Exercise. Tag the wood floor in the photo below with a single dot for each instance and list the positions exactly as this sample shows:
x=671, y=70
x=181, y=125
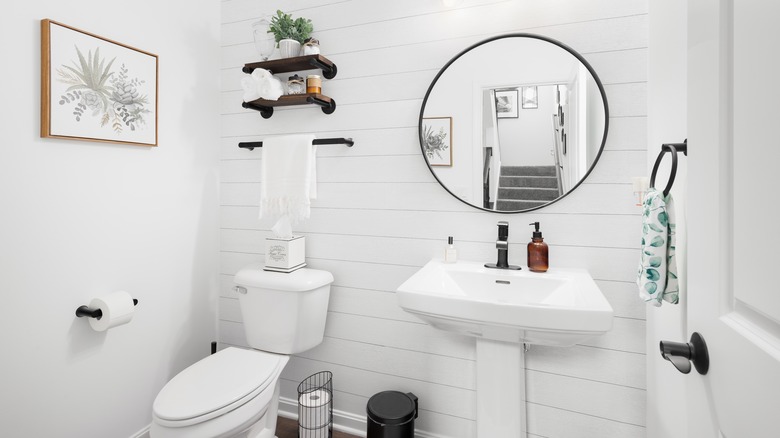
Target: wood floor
x=287, y=428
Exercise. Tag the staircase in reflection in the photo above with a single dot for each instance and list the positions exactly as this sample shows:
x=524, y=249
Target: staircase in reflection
x=524, y=187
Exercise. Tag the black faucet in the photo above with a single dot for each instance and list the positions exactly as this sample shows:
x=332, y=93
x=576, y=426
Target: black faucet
x=502, y=245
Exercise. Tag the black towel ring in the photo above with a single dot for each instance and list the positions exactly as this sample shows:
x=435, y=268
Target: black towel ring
x=673, y=148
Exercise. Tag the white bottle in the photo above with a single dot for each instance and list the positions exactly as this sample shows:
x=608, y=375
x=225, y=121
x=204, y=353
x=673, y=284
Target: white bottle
x=450, y=253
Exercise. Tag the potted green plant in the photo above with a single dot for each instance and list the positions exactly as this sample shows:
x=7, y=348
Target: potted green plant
x=289, y=33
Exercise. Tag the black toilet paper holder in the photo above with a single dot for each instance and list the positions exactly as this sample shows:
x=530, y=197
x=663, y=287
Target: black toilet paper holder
x=83, y=311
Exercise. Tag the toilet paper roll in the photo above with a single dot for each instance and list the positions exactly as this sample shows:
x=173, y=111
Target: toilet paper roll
x=117, y=308
x=313, y=411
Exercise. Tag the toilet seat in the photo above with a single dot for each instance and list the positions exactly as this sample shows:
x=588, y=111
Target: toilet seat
x=217, y=385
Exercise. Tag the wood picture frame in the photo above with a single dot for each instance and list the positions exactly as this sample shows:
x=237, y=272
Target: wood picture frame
x=437, y=140
x=96, y=89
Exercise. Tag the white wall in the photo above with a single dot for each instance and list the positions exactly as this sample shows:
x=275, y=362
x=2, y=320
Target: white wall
x=381, y=215
x=667, y=123
x=81, y=219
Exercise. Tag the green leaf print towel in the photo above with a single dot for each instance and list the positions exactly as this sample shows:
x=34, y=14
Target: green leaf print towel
x=657, y=277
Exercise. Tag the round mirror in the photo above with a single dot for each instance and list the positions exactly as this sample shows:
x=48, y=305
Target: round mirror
x=513, y=123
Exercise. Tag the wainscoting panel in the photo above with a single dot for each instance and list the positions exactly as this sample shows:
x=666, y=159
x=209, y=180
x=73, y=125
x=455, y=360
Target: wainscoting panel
x=381, y=215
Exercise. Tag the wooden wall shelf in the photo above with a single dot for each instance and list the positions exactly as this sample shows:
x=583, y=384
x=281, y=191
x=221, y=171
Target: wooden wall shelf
x=296, y=63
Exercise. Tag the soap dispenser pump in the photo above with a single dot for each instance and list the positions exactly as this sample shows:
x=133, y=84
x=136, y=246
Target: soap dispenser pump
x=537, y=251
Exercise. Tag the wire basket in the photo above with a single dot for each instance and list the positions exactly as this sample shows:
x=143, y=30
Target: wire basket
x=315, y=406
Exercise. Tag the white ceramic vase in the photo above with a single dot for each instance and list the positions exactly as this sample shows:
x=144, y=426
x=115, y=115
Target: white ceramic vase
x=289, y=48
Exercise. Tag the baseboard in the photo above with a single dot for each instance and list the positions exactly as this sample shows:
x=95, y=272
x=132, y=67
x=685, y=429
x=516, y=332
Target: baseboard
x=143, y=433
x=342, y=421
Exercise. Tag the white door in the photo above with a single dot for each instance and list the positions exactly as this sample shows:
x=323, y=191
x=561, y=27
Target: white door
x=733, y=220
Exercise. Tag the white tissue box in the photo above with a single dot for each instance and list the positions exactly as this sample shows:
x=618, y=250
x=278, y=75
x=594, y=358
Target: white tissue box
x=285, y=255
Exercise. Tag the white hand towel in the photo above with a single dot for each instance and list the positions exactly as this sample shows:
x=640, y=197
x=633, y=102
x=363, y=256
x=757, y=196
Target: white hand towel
x=657, y=276
x=289, y=177
x=261, y=84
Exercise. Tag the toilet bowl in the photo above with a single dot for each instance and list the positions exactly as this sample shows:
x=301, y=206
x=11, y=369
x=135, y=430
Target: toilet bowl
x=222, y=395
x=235, y=392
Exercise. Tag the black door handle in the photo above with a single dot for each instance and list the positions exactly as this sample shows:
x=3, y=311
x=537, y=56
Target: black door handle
x=682, y=354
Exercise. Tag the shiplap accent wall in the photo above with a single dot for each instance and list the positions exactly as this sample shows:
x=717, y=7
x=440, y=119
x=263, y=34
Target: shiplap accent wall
x=381, y=215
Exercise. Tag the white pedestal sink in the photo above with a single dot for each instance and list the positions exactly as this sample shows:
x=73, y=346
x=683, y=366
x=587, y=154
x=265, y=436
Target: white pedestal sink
x=504, y=309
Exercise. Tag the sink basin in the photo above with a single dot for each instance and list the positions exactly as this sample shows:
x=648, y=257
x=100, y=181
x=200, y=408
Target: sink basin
x=559, y=307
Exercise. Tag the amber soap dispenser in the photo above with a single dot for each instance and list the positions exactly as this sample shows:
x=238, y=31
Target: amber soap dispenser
x=537, y=251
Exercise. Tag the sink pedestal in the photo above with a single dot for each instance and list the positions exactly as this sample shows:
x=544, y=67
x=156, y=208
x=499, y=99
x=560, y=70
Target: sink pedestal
x=500, y=389
x=503, y=309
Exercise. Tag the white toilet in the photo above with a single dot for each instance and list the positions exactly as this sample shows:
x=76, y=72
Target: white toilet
x=235, y=392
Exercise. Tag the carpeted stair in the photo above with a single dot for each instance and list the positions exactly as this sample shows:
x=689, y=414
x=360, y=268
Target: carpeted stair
x=524, y=187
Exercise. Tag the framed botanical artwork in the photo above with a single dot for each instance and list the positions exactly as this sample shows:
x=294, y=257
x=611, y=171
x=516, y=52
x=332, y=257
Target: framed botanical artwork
x=437, y=140
x=96, y=89
x=530, y=97
x=506, y=104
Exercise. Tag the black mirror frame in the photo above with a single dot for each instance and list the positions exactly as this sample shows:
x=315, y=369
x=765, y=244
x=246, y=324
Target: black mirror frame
x=517, y=35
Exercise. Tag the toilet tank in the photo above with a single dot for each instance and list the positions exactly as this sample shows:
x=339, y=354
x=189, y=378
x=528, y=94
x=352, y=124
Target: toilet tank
x=283, y=313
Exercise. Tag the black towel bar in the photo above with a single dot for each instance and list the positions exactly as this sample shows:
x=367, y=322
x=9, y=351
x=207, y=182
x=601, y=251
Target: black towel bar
x=318, y=141
x=673, y=149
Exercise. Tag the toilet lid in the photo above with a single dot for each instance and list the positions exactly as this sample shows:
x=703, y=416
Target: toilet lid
x=222, y=380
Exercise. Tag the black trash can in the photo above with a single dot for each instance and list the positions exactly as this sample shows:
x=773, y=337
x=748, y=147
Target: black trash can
x=391, y=414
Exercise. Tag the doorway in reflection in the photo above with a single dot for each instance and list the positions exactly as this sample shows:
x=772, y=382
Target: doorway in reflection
x=523, y=159
x=533, y=142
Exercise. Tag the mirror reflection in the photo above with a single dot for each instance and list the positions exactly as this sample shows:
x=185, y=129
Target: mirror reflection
x=513, y=123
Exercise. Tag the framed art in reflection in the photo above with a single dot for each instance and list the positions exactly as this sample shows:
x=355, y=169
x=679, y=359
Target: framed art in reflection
x=437, y=140
x=506, y=104
x=530, y=98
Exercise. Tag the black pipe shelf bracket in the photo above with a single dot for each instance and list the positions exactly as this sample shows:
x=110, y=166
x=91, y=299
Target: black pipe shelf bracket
x=86, y=311
x=265, y=111
x=266, y=107
x=328, y=105
x=251, y=145
x=673, y=149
